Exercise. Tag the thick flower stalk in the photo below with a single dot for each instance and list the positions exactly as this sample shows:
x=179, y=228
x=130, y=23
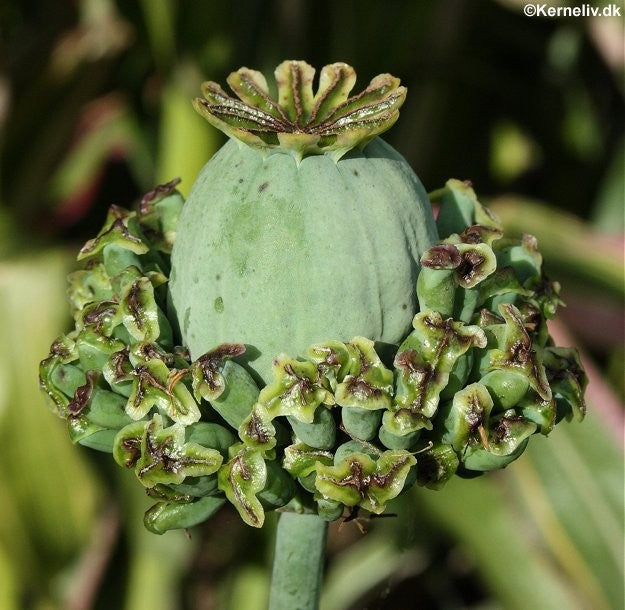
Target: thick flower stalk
x=348, y=421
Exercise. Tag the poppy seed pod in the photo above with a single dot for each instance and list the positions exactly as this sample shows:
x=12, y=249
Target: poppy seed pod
x=311, y=229
x=300, y=333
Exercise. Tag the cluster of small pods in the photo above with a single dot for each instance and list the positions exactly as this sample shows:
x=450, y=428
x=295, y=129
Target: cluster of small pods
x=346, y=425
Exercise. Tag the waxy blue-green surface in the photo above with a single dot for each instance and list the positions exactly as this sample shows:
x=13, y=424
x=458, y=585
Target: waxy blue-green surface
x=279, y=256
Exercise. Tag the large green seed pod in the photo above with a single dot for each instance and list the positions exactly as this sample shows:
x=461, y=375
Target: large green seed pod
x=279, y=251
x=310, y=259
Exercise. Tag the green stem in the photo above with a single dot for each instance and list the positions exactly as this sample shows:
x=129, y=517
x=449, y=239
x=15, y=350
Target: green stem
x=298, y=562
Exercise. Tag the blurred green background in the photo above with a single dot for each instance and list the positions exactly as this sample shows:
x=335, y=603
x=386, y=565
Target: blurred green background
x=95, y=109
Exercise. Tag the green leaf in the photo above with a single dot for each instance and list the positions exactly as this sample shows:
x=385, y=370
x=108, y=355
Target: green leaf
x=241, y=479
x=127, y=445
x=160, y=25
x=46, y=482
x=466, y=417
x=95, y=349
x=149, y=579
x=506, y=439
x=154, y=385
x=297, y=389
x=515, y=352
x=567, y=379
x=257, y=431
x=87, y=285
x=120, y=228
x=333, y=360
x=573, y=253
x=301, y=459
x=360, y=480
x=460, y=209
x=184, y=144
x=571, y=493
x=139, y=310
x=493, y=531
x=167, y=458
x=207, y=371
x=368, y=384
x=8, y=583
x=159, y=212
x=471, y=263
x=424, y=362
x=524, y=258
x=166, y=516
x=436, y=464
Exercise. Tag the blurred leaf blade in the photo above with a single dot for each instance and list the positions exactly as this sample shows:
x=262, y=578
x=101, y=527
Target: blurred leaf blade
x=574, y=501
x=186, y=142
x=608, y=212
x=160, y=19
x=249, y=589
x=365, y=565
x=571, y=251
x=38, y=462
x=114, y=131
x=8, y=585
x=477, y=513
x=156, y=563
x=68, y=71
